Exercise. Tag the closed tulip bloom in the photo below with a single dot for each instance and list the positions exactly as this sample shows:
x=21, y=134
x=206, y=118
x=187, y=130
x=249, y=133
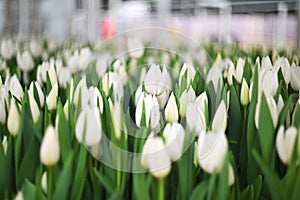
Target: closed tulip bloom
x=115, y=110
x=135, y=47
x=25, y=61
x=35, y=112
x=212, y=149
x=155, y=157
x=15, y=87
x=88, y=126
x=220, y=118
x=7, y=49
x=51, y=99
x=244, y=98
x=295, y=81
x=187, y=96
x=81, y=89
x=64, y=77
x=239, y=70
x=43, y=69
x=266, y=63
x=215, y=76
x=230, y=73
x=285, y=143
x=13, y=119
x=268, y=82
x=202, y=101
x=171, y=110
x=195, y=118
x=4, y=144
x=95, y=98
x=231, y=178
x=190, y=70
x=44, y=182
x=283, y=64
x=39, y=92
x=3, y=112
x=272, y=108
x=50, y=150
x=35, y=48
x=174, y=138
x=113, y=80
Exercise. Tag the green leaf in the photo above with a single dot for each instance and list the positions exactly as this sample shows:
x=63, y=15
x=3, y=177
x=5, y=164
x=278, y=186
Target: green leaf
x=2, y=170
x=272, y=180
x=296, y=116
x=106, y=182
x=223, y=180
x=257, y=185
x=199, y=192
x=141, y=186
x=28, y=190
x=284, y=112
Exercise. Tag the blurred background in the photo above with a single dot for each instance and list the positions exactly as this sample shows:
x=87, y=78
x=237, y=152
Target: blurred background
x=273, y=23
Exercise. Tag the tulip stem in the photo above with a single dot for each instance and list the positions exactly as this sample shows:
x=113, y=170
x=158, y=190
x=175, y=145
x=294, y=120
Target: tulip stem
x=49, y=182
x=161, y=189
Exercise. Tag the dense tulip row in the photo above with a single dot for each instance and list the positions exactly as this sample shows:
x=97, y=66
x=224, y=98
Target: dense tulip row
x=80, y=123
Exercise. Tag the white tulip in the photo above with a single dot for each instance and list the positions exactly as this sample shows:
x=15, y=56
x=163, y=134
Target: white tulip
x=113, y=79
x=280, y=103
x=155, y=157
x=66, y=109
x=15, y=87
x=202, y=101
x=230, y=73
x=35, y=48
x=39, y=92
x=212, y=149
x=268, y=82
x=285, y=143
x=7, y=49
x=266, y=63
x=215, y=76
x=3, y=112
x=51, y=99
x=43, y=69
x=187, y=96
x=295, y=81
x=81, y=89
x=50, y=150
x=239, y=70
x=284, y=64
x=220, y=118
x=13, y=119
x=158, y=83
x=35, y=112
x=272, y=108
x=244, y=98
x=64, y=77
x=44, y=182
x=135, y=47
x=171, y=110
x=79, y=60
x=231, y=178
x=195, y=118
x=174, y=138
x=25, y=61
x=190, y=70
x=94, y=97
x=4, y=144
x=88, y=126
x=115, y=110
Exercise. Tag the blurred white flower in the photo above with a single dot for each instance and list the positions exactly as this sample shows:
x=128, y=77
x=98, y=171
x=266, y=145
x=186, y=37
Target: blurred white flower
x=174, y=138
x=155, y=157
x=35, y=48
x=266, y=63
x=285, y=143
x=239, y=70
x=187, y=96
x=220, y=118
x=212, y=149
x=244, y=98
x=295, y=80
x=39, y=92
x=195, y=118
x=101, y=64
x=158, y=83
x=7, y=49
x=35, y=112
x=284, y=64
x=202, y=101
x=268, y=82
x=64, y=77
x=190, y=70
x=50, y=150
x=272, y=108
x=171, y=110
x=3, y=112
x=80, y=60
x=215, y=76
x=115, y=110
x=41, y=74
x=25, y=61
x=88, y=126
x=94, y=98
x=114, y=81
x=135, y=47
x=13, y=119
x=51, y=99
x=80, y=91
x=15, y=87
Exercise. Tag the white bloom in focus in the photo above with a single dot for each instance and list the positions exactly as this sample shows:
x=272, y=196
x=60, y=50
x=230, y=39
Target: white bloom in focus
x=7, y=49
x=15, y=87
x=155, y=157
x=158, y=83
x=220, y=118
x=244, y=98
x=195, y=118
x=171, y=110
x=215, y=76
x=50, y=150
x=25, y=61
x=51, y=99
x=212, y=149
x=230, y=73
x=285, y=143
x=88, y=126
x=35, y=112
x=174, y=138
x=268, y=82
x=135, y=47
x=295, y=80
x=39, y=92
x=13, y=119
x=43, y=69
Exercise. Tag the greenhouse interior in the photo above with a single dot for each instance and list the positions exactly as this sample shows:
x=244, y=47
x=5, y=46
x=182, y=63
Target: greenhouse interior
x=149, y=99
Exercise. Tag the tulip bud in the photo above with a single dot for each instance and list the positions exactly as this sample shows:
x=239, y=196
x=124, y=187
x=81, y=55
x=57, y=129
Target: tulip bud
x=82, y=89
x=88, y=126
x=190, y=70
x=35, y=112
x=35, y=48
x=4, y=144
x=230, y=175
x=244, y=98
x=171, y=111
x=195, y=118
x=155, y=157
x=51, y=99
x=285, y=143
x=135, y=47
x=115, y=110
x=25, y=61
x=220, y=118
x=15, y=87
x=187, y=96
x=215, y=76
x=272, y=108
x=230, y=73
x=174, y=138
x=266, y=63
x=7, y=49
x=66, y=109
x=3, y=112
x=44, y=182
x=94, y=97
x=212, y=149
x=239, y=70
x=284, y=64
x=295, y=81
x=64, y=77
x=13, y=120
x=39, y=92
x=50, y=150
x=202, y=101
